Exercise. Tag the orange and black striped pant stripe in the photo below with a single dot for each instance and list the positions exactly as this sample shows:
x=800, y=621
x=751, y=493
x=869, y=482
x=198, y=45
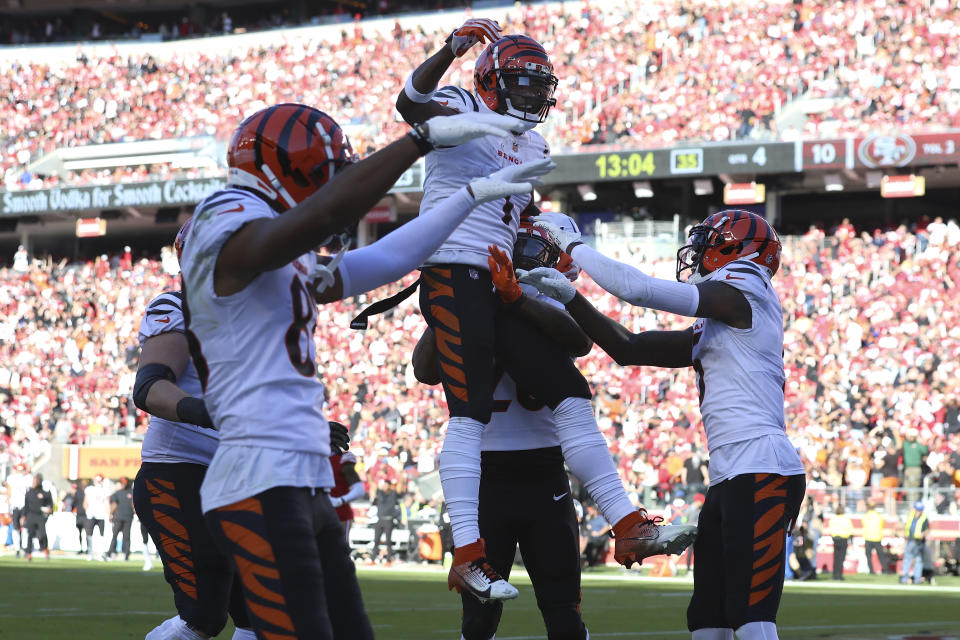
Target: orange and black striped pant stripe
x=478, y=339
x=289, y=551
x=459, y=303
x=167, y=500
x=739, y=552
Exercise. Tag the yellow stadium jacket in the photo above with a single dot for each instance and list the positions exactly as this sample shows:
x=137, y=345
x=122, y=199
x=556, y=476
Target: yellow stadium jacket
x=873, y=526
x=840, y=526
x=917, y=526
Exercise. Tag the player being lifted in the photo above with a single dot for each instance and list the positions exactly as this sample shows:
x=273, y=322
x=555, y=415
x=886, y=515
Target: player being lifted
x=176, y=450
x=513, y=76
x=757, y=479
x=525, y=496
x=251, y=282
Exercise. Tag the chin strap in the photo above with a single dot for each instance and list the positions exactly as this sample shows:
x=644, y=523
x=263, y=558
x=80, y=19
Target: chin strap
x=323, y=274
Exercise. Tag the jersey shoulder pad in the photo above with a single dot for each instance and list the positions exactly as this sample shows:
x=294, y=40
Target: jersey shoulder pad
x=164, y=314
x=217, y=217
x=745, y=276
x=456, y=98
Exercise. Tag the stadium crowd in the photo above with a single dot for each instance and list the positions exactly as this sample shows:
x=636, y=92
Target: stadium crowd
x=872, y=339
x=630, y=74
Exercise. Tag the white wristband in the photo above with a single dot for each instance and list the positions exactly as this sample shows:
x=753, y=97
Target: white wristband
x=414, y=95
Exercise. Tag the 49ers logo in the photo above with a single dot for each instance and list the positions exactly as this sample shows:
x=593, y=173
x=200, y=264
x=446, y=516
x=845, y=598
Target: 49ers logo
x=895, y=150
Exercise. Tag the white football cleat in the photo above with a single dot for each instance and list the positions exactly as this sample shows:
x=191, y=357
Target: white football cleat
x=649, y=538
x=481, y=581
x=165, y=630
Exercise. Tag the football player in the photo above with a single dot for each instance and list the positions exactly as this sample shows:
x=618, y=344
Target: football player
x=347, y=485
x=524, y=492
x=735, y=346
x=176, y=450
x=513, y=76
x=251, y=282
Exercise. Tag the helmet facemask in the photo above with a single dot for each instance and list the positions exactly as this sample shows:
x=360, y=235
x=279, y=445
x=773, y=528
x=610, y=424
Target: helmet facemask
x=531, y=251
x=527, y=94
x=690, y=255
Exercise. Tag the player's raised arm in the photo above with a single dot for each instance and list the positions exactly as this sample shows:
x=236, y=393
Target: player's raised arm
x=407, y=247
x=699, y=296
x=416, y=102
x=318, y=186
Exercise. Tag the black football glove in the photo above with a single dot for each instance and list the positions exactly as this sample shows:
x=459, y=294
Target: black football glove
x=339, y=438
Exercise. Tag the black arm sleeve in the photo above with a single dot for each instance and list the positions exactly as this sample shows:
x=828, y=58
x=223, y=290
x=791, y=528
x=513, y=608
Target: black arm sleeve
x=193, y=411
x=147, y=376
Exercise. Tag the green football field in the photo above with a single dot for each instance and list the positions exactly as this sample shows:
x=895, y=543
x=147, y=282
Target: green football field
x=67, y=599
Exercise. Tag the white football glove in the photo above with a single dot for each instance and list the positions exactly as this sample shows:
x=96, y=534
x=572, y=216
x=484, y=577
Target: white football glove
x=449, y=131
x=510, y=181
x=549, y=282
x=471, y=32
x=336, y=502
x=563, y=237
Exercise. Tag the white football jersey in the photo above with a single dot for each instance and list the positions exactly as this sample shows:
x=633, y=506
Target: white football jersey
x=450, y=169
x=255, y=355
x=98, y=502
x=166, y=440
x=519, y=421
x=740, y=377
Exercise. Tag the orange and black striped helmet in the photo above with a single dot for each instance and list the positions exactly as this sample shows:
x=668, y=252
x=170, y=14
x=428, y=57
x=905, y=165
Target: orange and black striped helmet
x=724, y=237
x=286, y=152
x=514, y=76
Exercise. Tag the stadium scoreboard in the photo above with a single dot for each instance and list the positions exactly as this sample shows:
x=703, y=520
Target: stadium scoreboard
x=705, y=160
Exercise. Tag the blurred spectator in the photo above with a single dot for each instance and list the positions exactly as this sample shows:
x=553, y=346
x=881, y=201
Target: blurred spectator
x=96, y=503
x=595, y=531
x=76, y=505
x=695, y=475
x=121, y=516
x=841, y=530
x=387, y=502
x=916, y=536
x=38, y=505
x=872, y=531
x=914, y=456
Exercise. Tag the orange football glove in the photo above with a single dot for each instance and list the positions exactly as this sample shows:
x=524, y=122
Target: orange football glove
x=471, y=32
x=504, y=279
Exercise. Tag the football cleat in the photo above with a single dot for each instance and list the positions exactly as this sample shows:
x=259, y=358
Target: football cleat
x=648, y=537
x=481, y=581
